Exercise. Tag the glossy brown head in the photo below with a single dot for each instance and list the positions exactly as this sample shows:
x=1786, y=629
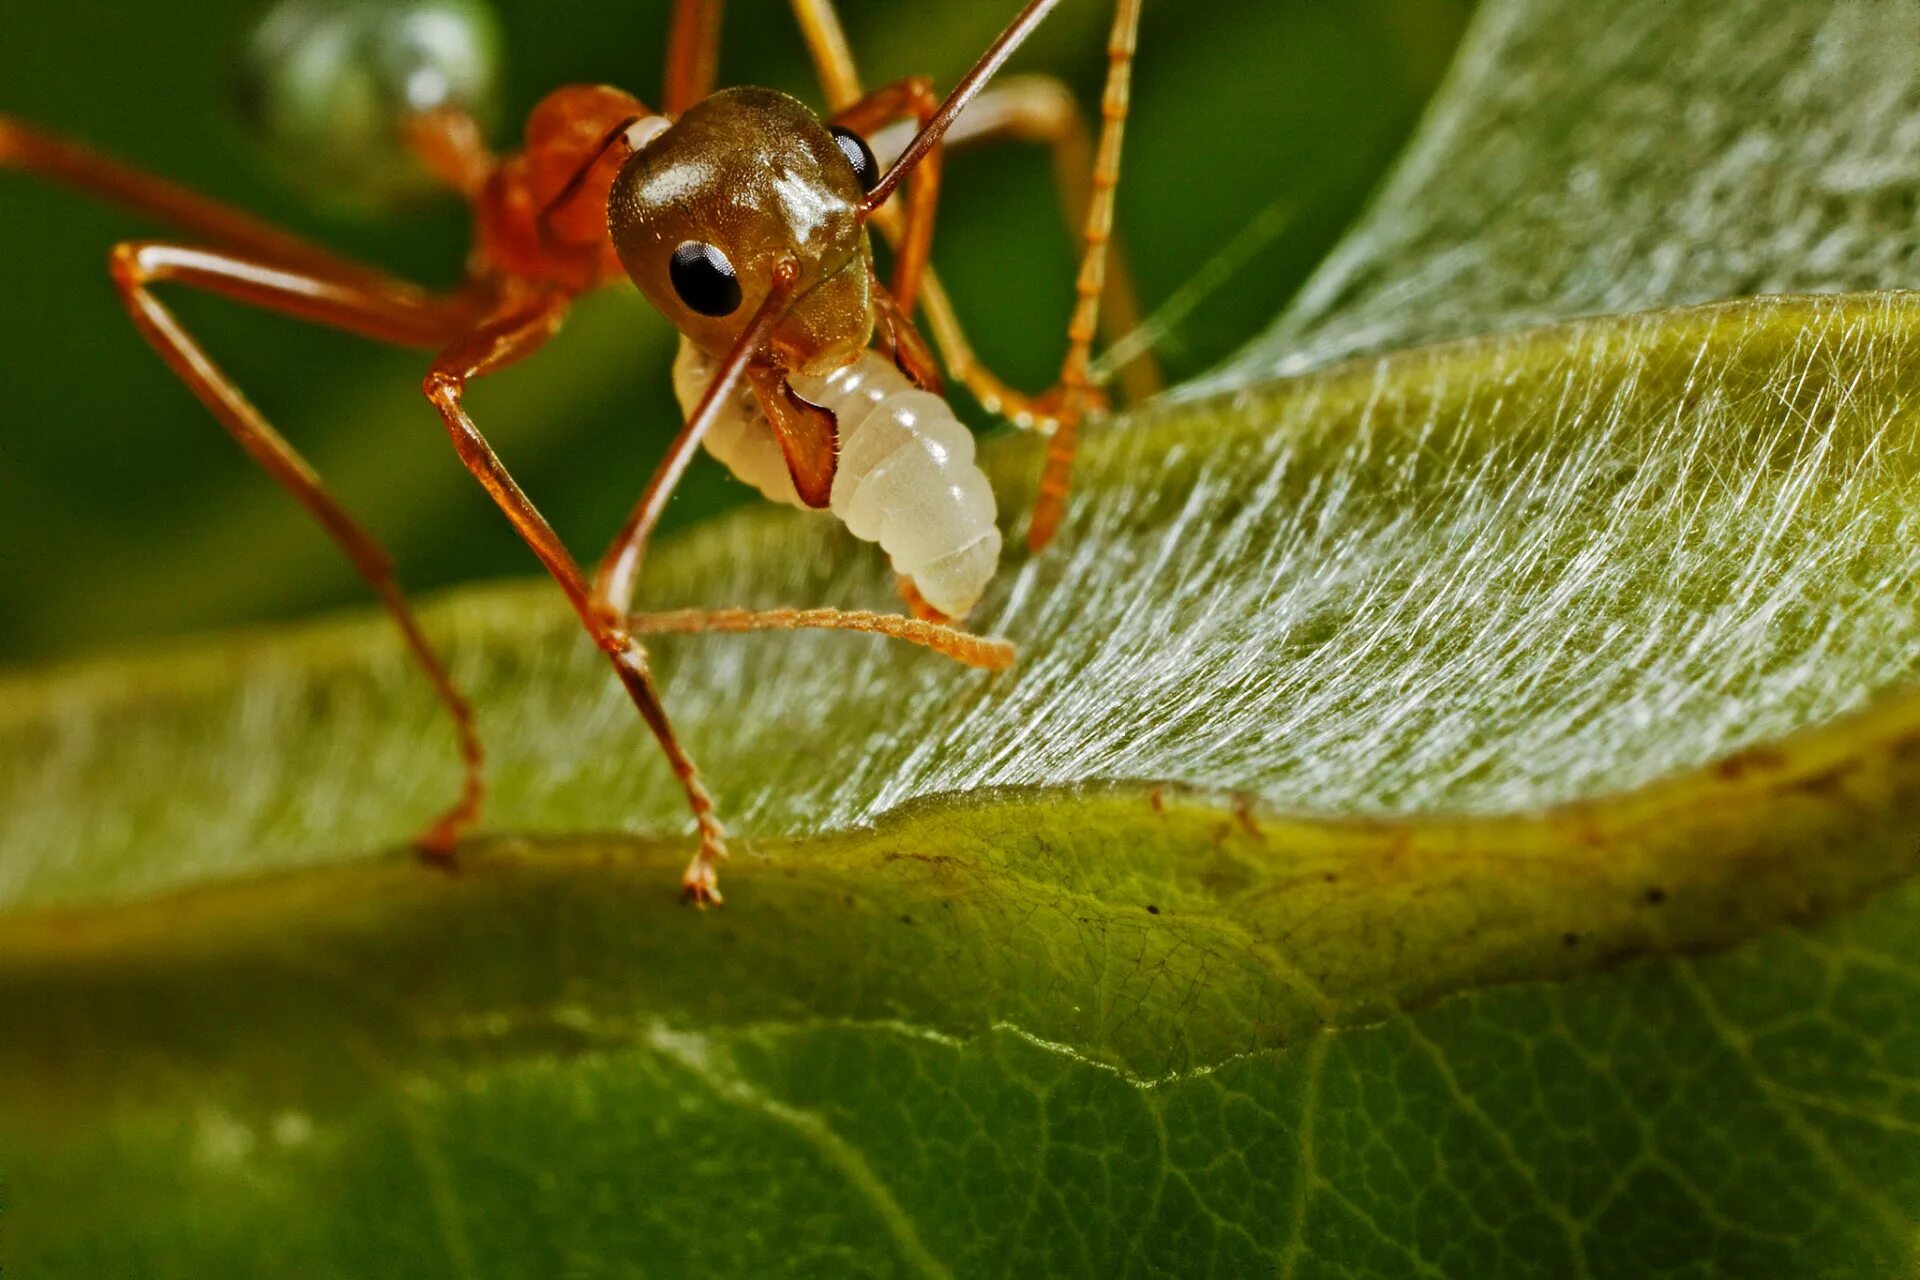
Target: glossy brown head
x=706, y=213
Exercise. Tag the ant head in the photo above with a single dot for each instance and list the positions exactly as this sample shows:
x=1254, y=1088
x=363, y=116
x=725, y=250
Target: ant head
x=707, y=212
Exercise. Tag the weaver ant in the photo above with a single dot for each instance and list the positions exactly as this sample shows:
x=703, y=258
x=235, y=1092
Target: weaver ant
x=743, y=217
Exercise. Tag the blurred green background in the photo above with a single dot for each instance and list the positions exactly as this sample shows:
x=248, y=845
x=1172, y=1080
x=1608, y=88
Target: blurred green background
x=131, y=515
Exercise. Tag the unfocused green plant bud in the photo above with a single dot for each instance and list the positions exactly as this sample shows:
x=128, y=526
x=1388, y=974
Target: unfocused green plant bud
x=327, y=85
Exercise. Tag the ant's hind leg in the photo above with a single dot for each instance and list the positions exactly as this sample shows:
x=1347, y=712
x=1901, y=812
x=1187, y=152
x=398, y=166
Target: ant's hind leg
x=446, y=141
x=1075, y=380
x=394, y=314
x=493, y=345
x=46, y=155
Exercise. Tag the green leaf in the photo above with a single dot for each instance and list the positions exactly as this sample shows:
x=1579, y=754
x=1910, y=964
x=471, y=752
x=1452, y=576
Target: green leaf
x=1585, y=160
x=1456, y=815
x=1060, y=1026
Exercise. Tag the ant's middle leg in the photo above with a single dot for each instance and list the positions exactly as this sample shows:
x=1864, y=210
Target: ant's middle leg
x=1049, y=504
x=395, y=314
x=1067, y=402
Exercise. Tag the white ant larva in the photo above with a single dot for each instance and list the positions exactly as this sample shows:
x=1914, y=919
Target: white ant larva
x=906, y=477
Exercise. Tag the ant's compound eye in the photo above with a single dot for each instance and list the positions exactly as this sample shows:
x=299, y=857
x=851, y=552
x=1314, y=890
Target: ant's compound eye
x=858, y=154
x=330, y=86
x=704, y=279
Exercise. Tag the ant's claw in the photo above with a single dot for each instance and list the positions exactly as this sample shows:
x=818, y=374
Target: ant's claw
x=702, y=894
x=439, y=845
x=701, y=883
x=437, y=848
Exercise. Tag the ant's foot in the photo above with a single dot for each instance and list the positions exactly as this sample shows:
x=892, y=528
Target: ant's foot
x=701, y=885
x=439, y=845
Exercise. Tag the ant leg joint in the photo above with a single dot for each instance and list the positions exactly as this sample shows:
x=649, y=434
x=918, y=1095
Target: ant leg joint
x=613, y=622
x=442, y=388
x=125, y=266
x=700, y=883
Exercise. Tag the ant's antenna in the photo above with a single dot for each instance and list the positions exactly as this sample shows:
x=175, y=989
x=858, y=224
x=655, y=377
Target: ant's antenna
x=970, y=84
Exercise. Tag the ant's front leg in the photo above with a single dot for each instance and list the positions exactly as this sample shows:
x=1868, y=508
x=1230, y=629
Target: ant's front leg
x=984, y=653
x=503, y=339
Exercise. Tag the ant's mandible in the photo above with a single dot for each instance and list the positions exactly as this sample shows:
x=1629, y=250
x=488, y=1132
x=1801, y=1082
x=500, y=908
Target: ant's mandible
x=742, y=216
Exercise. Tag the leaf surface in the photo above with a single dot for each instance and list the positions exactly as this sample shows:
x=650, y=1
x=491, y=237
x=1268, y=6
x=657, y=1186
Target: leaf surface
x=1129, y=1011
x=1455, y=816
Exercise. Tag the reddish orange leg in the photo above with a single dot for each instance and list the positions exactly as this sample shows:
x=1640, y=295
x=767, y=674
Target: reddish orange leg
x=910, y=99
x=1051, y=502
x=1036, y=109
x=504, y=339
x=693, y=54
x=1041, y=110
x=619, y=570
x=983, y=652
x=49, y=156
x=1032, y=108
x=390, y=313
